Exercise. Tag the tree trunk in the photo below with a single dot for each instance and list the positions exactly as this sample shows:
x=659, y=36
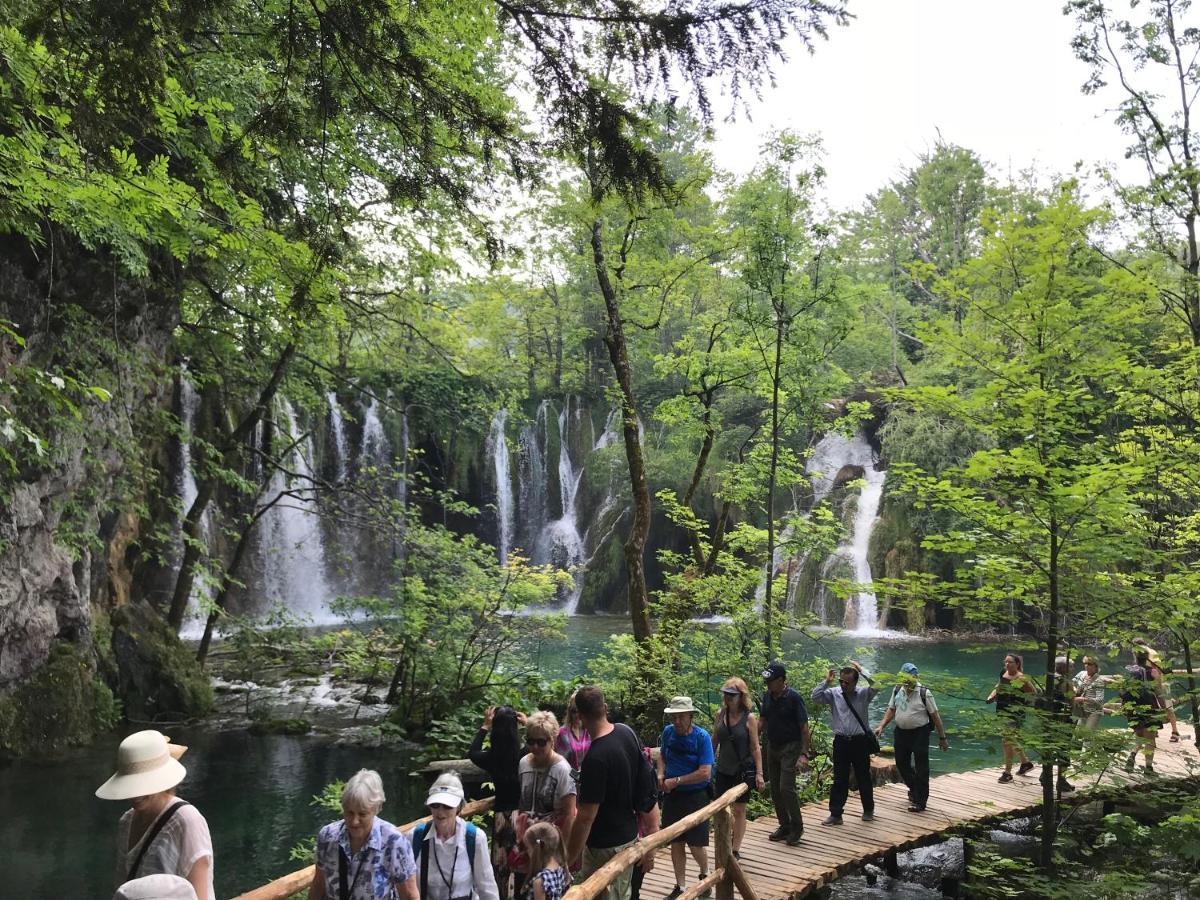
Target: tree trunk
x=635, y=544
x=768, y=603
x=697, y=474
x=206, y=488
x=1049, y=808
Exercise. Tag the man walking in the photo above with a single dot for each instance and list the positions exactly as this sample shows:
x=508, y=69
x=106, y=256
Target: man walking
x=606, y=822
x=786, y=721
x=849, y=706
x=916, y=714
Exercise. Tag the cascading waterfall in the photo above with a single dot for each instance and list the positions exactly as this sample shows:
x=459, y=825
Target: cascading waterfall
x=189, y=406
x=560, y=543
x=337, y=428
x=865, y=514
x=497, y=451
x=294, y=572
x=374, y=440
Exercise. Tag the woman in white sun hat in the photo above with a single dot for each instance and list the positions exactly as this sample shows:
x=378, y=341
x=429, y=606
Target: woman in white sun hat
x=156, y=887
x=451, y=853
x=160, y=834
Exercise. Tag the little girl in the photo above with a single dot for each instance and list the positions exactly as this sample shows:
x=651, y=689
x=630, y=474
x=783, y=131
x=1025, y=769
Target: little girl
x=545, y=850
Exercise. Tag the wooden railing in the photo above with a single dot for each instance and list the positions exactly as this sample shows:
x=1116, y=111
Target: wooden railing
x=726, y=872
x=282, y=888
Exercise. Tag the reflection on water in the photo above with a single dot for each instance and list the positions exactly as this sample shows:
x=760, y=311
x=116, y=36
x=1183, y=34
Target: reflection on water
x=256, y=790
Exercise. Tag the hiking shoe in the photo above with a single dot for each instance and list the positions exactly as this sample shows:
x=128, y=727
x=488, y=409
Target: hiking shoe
x=795, y=838
x=916, y=807
x=675, y=892
x=1131, y=762
x=1025, y=768
x=779, y=834
x=1006, y=777
x=1149, y=769
x=1175, y=737
x=737, y=855
x=868, y=816
x=832, y=820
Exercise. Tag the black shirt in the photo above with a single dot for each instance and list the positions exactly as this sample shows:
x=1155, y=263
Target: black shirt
x=784, y=717
x=606, y=778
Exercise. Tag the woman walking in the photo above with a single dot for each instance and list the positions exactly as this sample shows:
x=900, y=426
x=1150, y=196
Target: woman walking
x=739, y=756
x=451, y=854
x=363, y=857
x=1088, y=704
x=572, y=741
x=501, y=761
x=160, y=834
x=1012, y=696
x=547, y=791
x=1141, y=707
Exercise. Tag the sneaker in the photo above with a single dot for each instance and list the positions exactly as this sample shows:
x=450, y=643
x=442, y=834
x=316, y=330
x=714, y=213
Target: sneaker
x=737, y=855
x=1005, y=778
x=832, y=820
x=868, y=816
x=1149, y=769
x=1025, y=768
x=1175, y=737
x=916, y=807
x=675, y=892
x=707, y=892
x=795, y=838
x=1131, y=762
x=779, y=834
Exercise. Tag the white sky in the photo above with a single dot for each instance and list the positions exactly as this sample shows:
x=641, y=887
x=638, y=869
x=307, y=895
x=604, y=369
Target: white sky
x=994, y=76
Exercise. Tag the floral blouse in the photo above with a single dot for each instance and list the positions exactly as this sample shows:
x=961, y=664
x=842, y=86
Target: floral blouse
x=385, y=858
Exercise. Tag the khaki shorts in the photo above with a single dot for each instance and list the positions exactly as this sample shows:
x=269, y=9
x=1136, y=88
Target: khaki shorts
x=595, y=857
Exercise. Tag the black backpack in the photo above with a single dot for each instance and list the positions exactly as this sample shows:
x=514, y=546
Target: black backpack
x=645, y=780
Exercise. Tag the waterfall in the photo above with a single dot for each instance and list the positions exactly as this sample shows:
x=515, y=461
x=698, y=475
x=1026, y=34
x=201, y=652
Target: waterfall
x=189, y=406
x=497, y=451
x=402, y=480
x=374, y=440
x=294, y=564
x=337, y=428
x=865, y=514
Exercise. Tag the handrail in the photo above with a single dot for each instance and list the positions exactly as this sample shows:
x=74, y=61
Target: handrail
x=730, y=872
x=282, y=888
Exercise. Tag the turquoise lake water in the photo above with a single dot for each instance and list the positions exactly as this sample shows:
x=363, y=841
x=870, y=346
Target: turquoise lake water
x=255, y=791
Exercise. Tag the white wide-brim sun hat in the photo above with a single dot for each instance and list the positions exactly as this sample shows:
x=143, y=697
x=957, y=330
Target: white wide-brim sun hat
x=680, y=705
x=156, y=887
x=147, y=763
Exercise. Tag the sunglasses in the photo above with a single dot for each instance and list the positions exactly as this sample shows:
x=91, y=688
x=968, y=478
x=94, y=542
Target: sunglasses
x=439, y=806
x=538, y=742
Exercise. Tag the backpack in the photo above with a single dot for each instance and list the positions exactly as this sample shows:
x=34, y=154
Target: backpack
x=644, y=780
x=418, y=843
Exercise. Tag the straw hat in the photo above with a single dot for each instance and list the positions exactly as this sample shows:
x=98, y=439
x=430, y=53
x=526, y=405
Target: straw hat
x=679, y=705
x=156, y=887
x=147, y=763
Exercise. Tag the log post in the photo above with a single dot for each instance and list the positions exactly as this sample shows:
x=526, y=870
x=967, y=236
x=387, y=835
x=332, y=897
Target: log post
x=891, y=865
x=723, y=852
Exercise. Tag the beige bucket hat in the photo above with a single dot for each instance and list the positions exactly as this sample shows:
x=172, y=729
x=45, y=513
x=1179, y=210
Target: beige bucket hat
x=679, y=705
x=147, y=763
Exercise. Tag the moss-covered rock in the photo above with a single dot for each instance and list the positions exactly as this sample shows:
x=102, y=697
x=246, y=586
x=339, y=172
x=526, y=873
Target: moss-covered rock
x=158, y=676
x=281, y=726
x=63, y=704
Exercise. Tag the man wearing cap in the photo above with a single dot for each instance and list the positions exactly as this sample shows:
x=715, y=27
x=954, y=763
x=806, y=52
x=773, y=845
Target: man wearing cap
x=913, y=708
x=684, y=770
x=849, y=706
x=786, y=720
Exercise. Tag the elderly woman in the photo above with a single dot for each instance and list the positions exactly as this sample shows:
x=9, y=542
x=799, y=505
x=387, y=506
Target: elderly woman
x=451, y=853
x=363, y=857
x=547, y=789
x=160, y=834
x=685, y=766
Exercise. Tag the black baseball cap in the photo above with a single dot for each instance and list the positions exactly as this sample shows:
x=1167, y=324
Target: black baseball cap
x=773, y=671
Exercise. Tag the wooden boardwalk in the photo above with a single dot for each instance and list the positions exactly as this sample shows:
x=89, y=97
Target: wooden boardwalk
x=777, y=871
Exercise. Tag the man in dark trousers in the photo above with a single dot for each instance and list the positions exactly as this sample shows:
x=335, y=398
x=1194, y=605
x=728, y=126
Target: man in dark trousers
x=916, y=714
x=848, y=704
x=786, y=720
x=607, y=822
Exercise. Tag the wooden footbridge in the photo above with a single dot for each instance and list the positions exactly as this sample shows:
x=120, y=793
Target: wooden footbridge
x=774, y=871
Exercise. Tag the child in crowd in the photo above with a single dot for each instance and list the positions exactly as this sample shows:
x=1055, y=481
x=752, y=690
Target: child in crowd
x=547, y=865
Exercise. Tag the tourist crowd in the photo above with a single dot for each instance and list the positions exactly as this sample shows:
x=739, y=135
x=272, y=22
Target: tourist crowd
x=569, y=799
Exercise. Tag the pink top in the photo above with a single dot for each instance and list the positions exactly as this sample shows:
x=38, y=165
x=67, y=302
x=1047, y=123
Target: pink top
x=572, y=748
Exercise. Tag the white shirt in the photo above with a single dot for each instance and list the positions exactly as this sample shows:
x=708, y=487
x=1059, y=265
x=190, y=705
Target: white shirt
x=910, y=711
x=182, y=842
x=451, y=855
